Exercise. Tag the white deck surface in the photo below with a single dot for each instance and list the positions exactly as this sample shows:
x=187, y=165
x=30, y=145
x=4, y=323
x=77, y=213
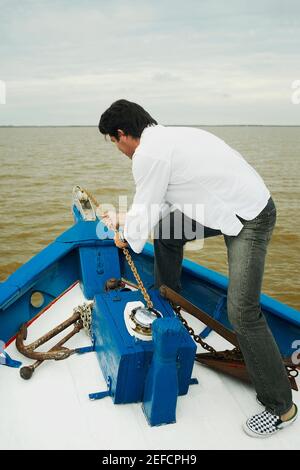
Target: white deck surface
x=52, y=409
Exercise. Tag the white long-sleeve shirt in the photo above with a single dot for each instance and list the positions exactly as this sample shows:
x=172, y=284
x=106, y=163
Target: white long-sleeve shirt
x=195, y=171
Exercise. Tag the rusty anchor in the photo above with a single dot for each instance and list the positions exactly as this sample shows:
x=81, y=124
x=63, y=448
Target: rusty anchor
x=80, y=319
x=230, y=362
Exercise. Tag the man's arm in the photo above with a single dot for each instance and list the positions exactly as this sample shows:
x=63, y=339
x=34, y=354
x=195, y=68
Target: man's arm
x=151, y=178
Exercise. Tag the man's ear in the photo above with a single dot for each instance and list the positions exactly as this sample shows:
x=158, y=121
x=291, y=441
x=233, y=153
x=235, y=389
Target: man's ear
x=121, y=133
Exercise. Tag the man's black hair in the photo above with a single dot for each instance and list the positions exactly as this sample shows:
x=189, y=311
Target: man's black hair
x=130, y=117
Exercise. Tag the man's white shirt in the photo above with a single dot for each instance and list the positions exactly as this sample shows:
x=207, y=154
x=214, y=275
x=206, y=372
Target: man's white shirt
x=196, y=172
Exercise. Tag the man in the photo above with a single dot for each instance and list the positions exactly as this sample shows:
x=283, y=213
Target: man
x=192, y=172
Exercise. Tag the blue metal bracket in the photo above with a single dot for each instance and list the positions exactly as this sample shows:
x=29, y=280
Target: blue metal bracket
x=8, y=361
x=216, y=315
x=194, y=381
x=100, y=395
x=84, y=350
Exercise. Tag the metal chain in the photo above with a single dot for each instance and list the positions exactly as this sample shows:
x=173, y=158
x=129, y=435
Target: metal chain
x=85, y=311
x=128, y=258
x=234, y=353
x=196, y=337
x=137, y=277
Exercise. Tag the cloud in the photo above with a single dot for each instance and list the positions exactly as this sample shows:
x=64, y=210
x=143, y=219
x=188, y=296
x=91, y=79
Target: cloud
x=222, y=57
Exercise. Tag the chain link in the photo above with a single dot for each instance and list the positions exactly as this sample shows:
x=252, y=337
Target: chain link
x=197, y=338
x=137, y=277
x=233, y=354
x=85, y=311
x=128, y=258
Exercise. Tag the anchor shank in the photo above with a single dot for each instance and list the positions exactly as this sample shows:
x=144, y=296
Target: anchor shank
x=58, y=329
x=66, y=338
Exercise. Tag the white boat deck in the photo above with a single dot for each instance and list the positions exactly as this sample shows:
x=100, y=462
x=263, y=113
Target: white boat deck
x=52, y=410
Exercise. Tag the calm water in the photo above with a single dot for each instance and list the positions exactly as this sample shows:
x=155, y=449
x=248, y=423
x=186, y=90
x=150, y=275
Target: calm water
x=40, y=166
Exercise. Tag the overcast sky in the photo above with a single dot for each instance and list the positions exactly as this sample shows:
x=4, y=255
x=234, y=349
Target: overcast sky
x=185, y=61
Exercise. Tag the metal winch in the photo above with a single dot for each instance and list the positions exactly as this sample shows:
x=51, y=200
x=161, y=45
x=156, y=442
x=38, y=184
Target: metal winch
x=139, y=320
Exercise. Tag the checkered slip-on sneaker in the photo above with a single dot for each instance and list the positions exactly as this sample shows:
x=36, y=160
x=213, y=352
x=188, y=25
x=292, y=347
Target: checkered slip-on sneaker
x=266, y=424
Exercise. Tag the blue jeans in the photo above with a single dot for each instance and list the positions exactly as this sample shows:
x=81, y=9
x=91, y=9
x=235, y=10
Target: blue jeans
x=246, y=260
